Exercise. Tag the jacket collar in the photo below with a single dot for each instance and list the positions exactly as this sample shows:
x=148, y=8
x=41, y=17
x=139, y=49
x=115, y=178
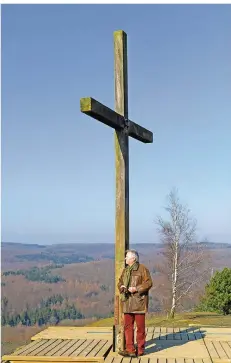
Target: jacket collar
x=135, y=268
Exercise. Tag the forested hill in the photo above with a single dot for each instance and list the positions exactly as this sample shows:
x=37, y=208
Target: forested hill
x=65, y=253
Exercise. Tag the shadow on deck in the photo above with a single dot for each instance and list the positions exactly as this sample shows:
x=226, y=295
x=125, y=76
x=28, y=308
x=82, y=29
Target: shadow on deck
x=163, y=345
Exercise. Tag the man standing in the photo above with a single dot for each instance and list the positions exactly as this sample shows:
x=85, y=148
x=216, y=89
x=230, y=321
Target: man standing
x=134, y=284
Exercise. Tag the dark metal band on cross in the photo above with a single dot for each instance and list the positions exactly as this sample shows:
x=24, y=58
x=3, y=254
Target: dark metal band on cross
x=124, y=128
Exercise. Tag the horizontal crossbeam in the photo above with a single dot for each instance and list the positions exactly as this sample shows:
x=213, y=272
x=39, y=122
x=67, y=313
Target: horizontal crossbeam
x=104, y=114
x=140, y=133
x=98, y=111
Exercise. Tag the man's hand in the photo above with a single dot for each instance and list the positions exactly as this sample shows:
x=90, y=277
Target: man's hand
x=122, y=288
x=132, y=289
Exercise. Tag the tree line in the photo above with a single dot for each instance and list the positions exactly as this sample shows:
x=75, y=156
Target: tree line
x=68, y=259
x=45, y=313
x=38, y=274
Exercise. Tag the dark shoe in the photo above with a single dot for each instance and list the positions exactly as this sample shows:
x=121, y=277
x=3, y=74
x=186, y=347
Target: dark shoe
x=132, y=355
x=140, y=354
x=125, y=353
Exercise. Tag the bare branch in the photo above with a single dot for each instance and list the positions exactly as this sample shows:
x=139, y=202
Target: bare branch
x=183, y=257
x=190, y=286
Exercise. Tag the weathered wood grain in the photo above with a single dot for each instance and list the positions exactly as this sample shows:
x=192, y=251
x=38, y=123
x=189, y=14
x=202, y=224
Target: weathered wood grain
x=101, y=113
x=122, y=169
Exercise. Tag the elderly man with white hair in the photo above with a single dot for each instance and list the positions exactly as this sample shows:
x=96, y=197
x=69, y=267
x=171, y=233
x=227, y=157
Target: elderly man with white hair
x=134, y=285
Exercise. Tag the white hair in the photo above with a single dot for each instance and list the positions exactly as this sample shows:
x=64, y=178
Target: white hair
x=134, y=254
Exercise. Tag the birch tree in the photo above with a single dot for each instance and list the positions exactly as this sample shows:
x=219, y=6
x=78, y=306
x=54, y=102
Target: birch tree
x=185, y=261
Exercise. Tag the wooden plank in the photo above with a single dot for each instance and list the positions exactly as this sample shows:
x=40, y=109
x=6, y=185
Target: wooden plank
x=162, y=360
x=27, y=359
x=211, y=349
x=191, y=336
x=188, y=360
x=180, y=360
x=183, y=334
x=148, y=337
x=69, y=344
x=150, y=329
x=157, y=329
x=122, y=169
x=116, y=360
x=38, y=348
x=144, y=360
x=73, y=336
x=46, y=344
x=171, y=360
x=111, y=358
x=81, y=348
x=33, y=351
x=206, y=360
x=29, y=347
x=90, y=347
x=220, y=351
x=170, y=330
x=203, y=335
x=50, y=347
x=72, y=348
x=170, y=336
x=198, y=335
x=226, y=348
x=104, y=349
x=73, y=333
x=156, y=333
x=77, y=328
x=162, y=337
x=127, y=360
x=176, y=334
x=100, y=345
x=151, y=360
x=170, y=333
x=104, y=114
x=57, y=348
x=156, y=336
x=75, y=359
x=150, y=333
x=163, y=333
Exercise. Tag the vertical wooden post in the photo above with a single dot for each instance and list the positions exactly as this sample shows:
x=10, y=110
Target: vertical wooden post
x=122, y=175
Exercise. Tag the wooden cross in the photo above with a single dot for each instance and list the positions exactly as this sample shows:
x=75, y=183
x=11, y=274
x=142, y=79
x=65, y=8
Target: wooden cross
x=124, y=128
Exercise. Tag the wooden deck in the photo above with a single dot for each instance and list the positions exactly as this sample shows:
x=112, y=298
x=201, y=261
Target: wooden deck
x=62, y=350
x=91, y=344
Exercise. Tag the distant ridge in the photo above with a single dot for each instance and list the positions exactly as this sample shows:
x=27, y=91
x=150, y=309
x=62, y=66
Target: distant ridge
x=27, y=245
x=141, y=245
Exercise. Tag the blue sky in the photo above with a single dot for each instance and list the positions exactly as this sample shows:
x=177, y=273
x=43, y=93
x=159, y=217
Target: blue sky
x=58, y=164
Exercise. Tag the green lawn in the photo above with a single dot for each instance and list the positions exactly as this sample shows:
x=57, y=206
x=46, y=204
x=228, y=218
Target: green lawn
x=180, y=320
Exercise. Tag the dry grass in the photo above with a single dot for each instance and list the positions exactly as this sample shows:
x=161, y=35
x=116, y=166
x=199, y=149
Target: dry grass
x=180, y=320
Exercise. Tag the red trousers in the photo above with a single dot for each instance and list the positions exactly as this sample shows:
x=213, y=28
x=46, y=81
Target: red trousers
x=129, y=320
